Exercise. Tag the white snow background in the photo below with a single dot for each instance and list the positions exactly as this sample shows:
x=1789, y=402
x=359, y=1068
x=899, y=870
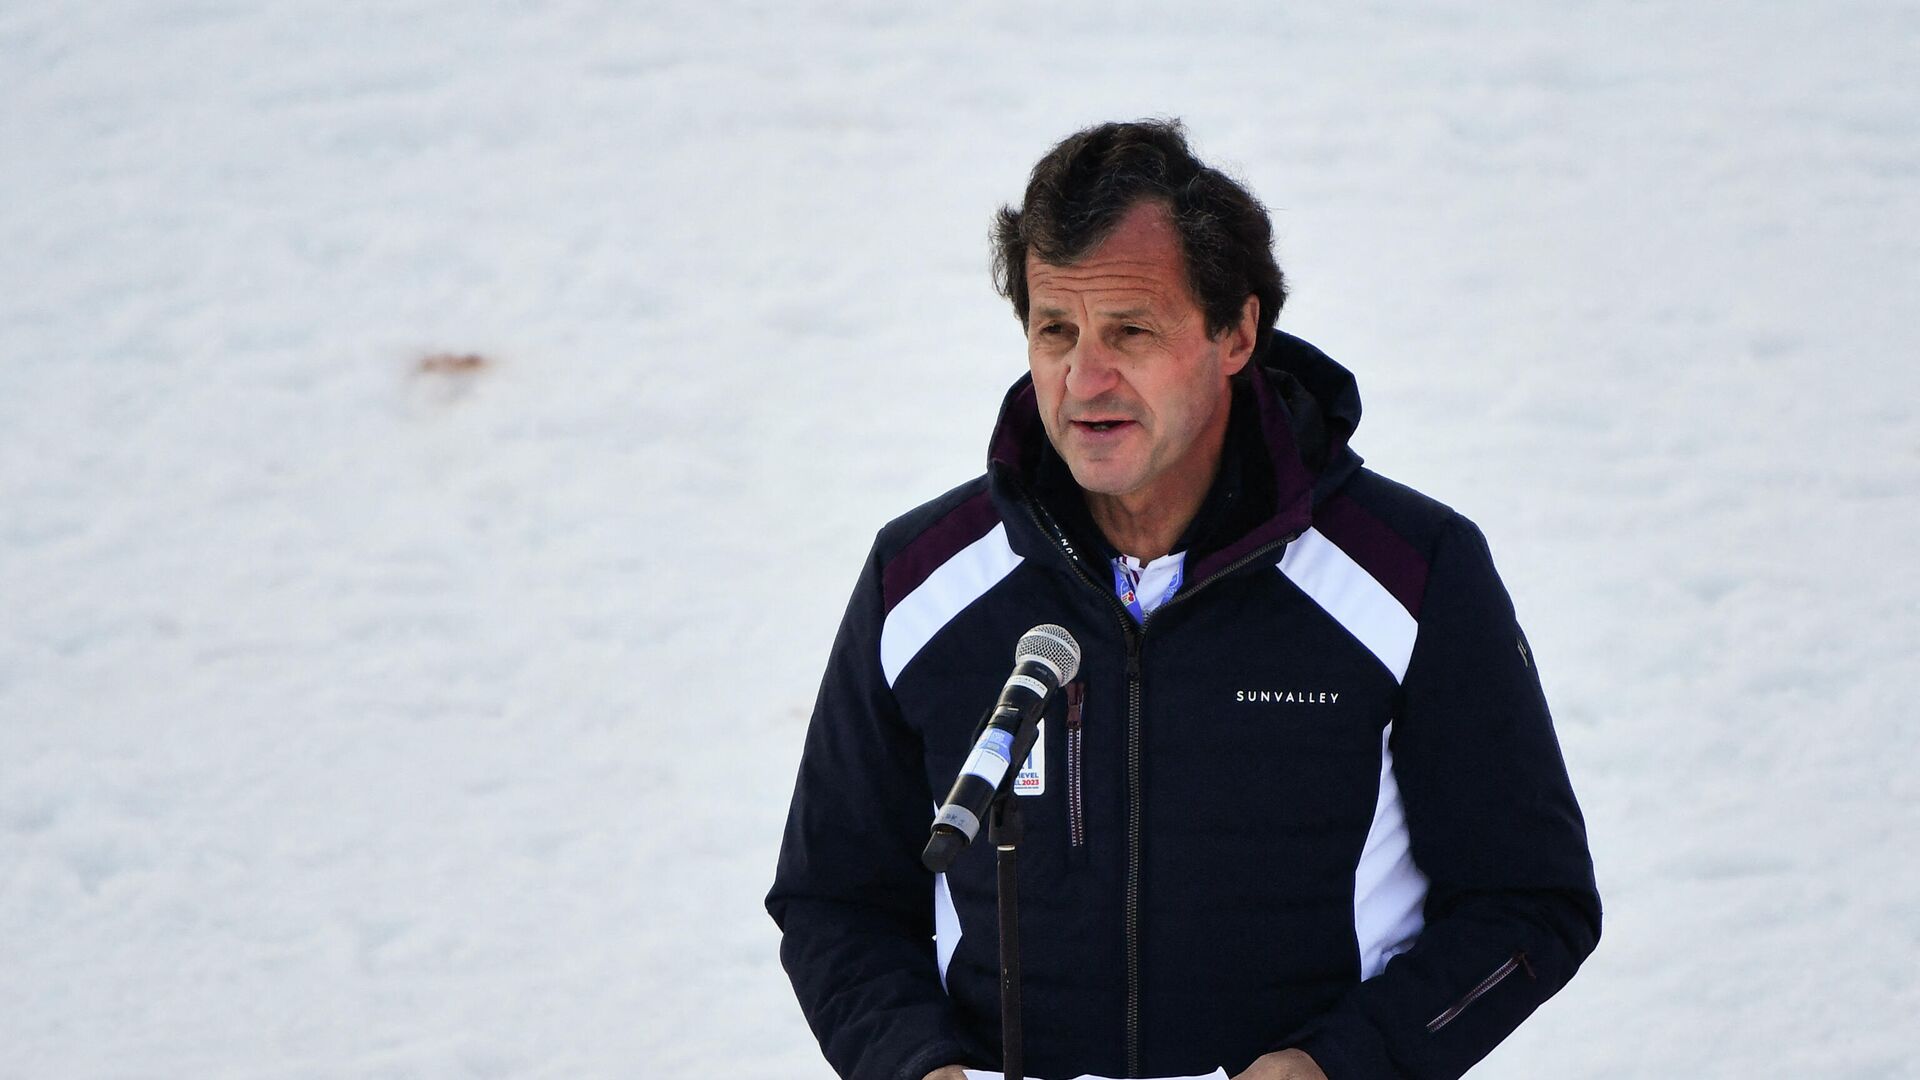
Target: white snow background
x=363, y=722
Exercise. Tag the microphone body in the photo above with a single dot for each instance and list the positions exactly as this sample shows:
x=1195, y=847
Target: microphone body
x=1046, y=659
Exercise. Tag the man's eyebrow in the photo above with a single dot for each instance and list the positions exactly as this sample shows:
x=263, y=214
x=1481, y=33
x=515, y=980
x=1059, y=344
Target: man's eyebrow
x=1137, y=311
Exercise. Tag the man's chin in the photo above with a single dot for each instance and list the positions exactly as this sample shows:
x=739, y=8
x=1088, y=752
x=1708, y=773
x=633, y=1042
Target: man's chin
x=1098, y=479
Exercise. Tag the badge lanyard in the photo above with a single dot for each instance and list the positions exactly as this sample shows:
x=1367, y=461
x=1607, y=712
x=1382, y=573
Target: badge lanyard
x=1126, y=582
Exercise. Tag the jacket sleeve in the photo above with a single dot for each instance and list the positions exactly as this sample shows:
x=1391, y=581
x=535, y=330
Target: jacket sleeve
x=853, y=903
x=1511, y=907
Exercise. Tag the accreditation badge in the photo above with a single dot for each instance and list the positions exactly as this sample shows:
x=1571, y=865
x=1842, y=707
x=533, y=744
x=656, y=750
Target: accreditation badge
x=1032, y=778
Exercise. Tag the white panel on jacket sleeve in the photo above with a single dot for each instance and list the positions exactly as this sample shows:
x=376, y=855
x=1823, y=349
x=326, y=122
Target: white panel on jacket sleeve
x=946, y=924
x=1358, y=602
x=947, y=591
x=1389, y=891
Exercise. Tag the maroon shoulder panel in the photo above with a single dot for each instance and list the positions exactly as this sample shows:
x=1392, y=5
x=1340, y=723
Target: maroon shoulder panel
x=944, y=539
x=1381, y=552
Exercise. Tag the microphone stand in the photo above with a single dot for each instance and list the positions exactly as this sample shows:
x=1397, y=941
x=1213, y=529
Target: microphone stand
x=1004, y=830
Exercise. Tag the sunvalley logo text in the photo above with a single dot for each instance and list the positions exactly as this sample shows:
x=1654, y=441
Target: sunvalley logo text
x=1289, y=697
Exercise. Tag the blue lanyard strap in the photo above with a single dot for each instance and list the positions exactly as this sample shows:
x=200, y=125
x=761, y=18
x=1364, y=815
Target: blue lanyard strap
x=1126, y=584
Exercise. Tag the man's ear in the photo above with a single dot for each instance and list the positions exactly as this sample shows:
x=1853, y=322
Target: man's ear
x=1241, y=337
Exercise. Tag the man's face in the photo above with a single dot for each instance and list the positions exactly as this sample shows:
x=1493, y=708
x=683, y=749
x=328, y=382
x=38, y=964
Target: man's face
x=1132, y=391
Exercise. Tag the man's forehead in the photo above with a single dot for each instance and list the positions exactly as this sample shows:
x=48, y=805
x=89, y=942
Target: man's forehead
x=1140, y=262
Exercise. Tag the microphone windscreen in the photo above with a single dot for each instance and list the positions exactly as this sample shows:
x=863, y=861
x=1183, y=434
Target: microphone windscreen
x=1053, y=646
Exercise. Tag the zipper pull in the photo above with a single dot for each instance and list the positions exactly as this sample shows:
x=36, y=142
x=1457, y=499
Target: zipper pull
x=1075, y=691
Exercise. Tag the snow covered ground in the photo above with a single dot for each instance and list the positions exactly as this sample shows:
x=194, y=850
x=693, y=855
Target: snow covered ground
x=360, y=720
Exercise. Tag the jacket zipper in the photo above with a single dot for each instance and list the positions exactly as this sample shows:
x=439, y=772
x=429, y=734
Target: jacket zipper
x=1132, y=632
x=1136, y=641
x=1134, y=644
x=1076, y=820
x=1516, y=961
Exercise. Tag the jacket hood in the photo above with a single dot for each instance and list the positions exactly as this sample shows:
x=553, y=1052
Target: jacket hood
x=1304, y=405
x=1334, y=393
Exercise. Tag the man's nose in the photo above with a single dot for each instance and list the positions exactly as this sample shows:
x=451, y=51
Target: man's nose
x=1090, y=368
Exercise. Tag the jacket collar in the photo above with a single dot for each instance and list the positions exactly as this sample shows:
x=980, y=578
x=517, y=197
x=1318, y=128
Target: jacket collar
x=1294, y=411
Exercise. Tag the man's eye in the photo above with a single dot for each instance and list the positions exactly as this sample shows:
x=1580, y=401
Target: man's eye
x=1052, y=328
x=1133, y=331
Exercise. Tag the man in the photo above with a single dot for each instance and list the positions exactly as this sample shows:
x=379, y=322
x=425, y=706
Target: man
x=1301, y=814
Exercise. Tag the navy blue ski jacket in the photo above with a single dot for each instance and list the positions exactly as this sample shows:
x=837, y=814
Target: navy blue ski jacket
x=1315, y=800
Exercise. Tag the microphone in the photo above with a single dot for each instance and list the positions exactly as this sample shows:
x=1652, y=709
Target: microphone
x=1046, y=659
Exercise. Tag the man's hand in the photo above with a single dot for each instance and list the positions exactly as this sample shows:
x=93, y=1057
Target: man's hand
x=1283, y=1065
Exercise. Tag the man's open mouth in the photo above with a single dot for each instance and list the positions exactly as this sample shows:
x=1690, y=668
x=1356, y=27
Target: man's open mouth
x=1101, y=425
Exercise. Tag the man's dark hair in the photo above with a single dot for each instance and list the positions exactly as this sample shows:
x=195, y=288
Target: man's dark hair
x=1082, y=188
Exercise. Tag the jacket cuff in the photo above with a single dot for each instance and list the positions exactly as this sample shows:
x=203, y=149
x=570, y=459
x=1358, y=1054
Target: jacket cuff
x=1347, y=1049
x=937, y=1056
